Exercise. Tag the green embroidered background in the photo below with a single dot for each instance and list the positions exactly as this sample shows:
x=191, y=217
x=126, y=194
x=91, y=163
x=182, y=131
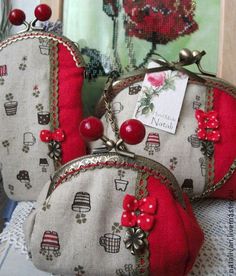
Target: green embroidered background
x=98, y=26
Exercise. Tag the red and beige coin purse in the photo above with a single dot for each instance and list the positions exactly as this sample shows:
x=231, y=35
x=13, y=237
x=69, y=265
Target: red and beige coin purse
x=41, y=77
x=202, y=152
x=113, y=213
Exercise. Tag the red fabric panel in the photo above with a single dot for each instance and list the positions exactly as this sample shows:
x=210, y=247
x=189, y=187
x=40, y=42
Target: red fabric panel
x=176, y=238
x=194, y=234
x=70, y=104
x=225, y=149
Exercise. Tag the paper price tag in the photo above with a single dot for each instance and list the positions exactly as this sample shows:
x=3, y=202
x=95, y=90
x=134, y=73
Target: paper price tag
x=161, y=98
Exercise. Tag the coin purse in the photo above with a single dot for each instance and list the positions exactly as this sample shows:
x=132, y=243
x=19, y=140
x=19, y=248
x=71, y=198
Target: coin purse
x=113, y=213
x=41, y=77
x=202, y=152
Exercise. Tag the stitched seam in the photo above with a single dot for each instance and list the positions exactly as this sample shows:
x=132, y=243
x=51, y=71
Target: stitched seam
x=141, y=192
x=63, y=40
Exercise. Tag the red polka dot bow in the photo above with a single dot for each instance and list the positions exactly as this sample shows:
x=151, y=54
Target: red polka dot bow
x=139, y=212
x=47, y=135
x=207, y=125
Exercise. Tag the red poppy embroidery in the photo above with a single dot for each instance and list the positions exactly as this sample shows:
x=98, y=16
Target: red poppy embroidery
x=208, y=124
x=47, y=135
x=139, y=212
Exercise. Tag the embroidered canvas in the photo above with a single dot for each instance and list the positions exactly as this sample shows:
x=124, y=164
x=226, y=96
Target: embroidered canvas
x=131, y=33
x=202, y=153
x=107, y=214
x=41, y=77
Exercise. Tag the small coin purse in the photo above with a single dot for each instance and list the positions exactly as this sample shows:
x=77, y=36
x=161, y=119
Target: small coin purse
x=113, y=213
x=41, y=77
x=202, y=152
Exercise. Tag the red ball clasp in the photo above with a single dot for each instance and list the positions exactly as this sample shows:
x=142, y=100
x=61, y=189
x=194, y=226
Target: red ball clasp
x=16, y=17
x=91, y=129
x=132, y=131
x=43, y=12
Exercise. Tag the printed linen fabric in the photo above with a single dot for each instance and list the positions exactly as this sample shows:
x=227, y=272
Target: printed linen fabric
x=125, y=206
x=82, y=204
x=213, y=259
x=168, y=149
x=24, y=112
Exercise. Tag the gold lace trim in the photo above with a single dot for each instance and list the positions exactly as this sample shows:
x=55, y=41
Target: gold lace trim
x=71, y=47
x=210, y=187
x=142, y=261
x=141, y=185
x=219, y=184
x=54, y=84
x=113, y=160
x=53, y=90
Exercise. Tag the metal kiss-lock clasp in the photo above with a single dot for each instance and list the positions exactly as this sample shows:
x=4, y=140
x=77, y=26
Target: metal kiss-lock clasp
x=132, y=132
x=42, y=13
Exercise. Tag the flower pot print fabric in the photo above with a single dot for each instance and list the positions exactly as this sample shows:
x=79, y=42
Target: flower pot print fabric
x=202, y=149
x=20, y=148
x=82, y=216
x=29, y=100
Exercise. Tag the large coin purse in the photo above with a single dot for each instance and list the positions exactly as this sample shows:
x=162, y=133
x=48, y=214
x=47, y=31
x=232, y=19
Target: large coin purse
x=41, y=77
x=113, y=213
x=202, y=152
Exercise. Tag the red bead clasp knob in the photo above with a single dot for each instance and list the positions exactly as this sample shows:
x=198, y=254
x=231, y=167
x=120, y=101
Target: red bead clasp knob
x=43, y=12
x=132, y=132
x=91, y=129
x=16, y=17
